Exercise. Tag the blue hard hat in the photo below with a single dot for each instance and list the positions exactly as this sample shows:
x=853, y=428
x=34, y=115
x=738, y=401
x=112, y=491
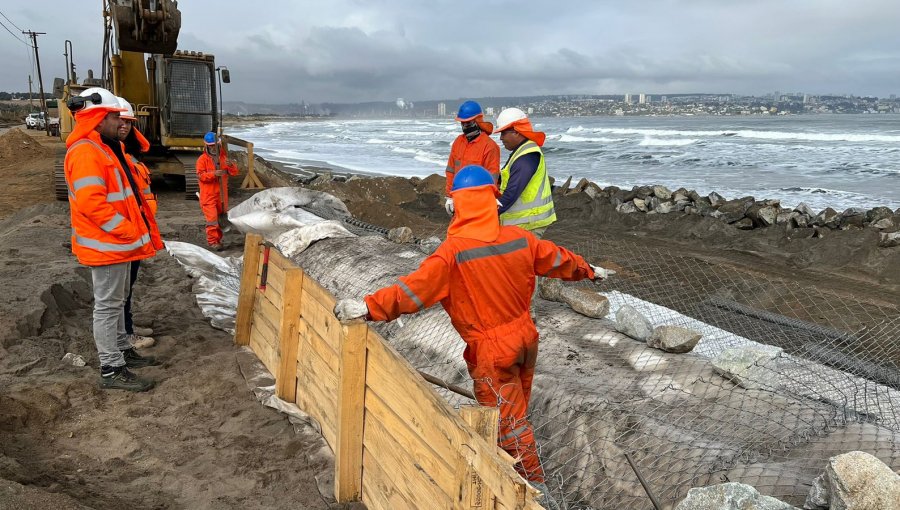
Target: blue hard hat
x=472, y=176
x=468, y=111
x=210, y=138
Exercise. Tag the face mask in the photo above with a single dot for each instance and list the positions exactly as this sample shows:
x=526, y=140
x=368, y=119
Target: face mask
x=471, y=130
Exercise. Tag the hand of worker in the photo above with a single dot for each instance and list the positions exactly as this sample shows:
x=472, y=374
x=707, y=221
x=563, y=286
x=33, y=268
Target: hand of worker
x=448, y=206
x=601, y=273
x=220, y=173
x=348, y=309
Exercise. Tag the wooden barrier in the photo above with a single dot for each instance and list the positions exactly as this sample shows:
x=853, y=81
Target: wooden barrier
x=396, y=442
x=251, y=181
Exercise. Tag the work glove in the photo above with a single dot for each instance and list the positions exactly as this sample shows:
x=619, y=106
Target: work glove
x=448, y=206
x=348, y=309
x=601, y=273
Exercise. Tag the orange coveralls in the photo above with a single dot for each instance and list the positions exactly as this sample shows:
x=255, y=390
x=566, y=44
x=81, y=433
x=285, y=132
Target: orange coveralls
x=480, y=151
x=483, y=276
x=214, y=192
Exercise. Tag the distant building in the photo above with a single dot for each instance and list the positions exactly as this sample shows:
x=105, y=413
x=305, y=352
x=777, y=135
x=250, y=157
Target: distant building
x=530, y=110
x=627, y=98
x=664, y=99
x=489, y=111
x=442, y=109
x=642, y=98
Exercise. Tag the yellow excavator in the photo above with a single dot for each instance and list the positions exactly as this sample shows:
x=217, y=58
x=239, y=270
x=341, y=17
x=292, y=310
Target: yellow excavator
x=173, y=91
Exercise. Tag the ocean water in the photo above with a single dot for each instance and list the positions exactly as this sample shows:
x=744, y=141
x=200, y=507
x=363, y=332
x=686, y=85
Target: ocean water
x=837, y=161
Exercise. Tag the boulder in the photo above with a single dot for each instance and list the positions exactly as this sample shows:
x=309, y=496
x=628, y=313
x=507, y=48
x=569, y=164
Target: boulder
x=800, y=220
x=730, y=496
x=664, y=207
x=680, y=196
x=640, y=204
x=743, y=224
x=762, y=216
x=802, y=208
x=592, y=190
x=662, y=192
x=703, y=201
x=855, y=481
x=785, y=218
x=653, y=203
x=749, y=367
x=632, y=323
x=76, y=360
x=581, y=186
x=734, y=210
x=693, y=195
x=401, y=235
x=853, y=217
x=586, y=302
x=716, y=199
x=627, y=208
x=889, y=240
x=674, y=339
x=883, y=224
x=827, y=218
x=878, y=213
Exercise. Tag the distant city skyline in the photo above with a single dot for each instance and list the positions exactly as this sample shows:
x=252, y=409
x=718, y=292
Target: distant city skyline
x=352, y=51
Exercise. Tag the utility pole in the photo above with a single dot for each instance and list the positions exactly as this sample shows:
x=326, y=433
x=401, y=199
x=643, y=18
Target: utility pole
x=30, y=99
x=37, y=58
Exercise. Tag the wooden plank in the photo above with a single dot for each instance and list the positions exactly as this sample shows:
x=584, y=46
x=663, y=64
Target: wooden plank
x=485, y=422
x=274, y=276
x=262, y=348
x=379, y=493
x=351, y=411
x=313, y=341
x=288, y=340
x=265, y=311
x=317, y=390
x=319, y=293
x=439, y=467
x=247, y=290
x=436, y=422
x=403, y=468
x=320, y=318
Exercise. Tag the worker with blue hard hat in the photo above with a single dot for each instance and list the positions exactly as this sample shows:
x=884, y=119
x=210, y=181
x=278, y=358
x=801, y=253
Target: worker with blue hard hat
x=473, y=147
x=484, y=276
x=213, y=169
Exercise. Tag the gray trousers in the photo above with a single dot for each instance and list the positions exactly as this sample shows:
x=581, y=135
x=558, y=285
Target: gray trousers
x=111, y=284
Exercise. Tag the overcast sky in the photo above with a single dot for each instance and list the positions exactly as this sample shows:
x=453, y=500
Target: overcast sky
x=355, y=50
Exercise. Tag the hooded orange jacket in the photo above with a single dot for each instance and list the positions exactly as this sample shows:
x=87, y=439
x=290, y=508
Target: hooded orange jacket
x=141, y=173
x=483, y=274
x=107, y=224
x=211, y=186
x=481, y=151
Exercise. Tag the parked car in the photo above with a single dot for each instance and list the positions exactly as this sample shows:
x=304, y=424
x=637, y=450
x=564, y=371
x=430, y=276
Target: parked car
x=34, y=121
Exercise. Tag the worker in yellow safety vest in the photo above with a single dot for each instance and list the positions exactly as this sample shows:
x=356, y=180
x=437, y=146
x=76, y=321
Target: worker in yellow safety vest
x=526, y=198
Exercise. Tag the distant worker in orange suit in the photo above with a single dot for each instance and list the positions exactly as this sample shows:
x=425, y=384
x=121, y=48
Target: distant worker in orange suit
x=473, y=147
x=213, y=169
x=483, y=275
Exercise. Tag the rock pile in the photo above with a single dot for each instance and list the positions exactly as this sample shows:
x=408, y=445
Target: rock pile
x=745, y=213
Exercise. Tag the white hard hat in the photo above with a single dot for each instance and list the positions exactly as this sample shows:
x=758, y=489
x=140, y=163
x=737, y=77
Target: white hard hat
x=507, y=117
x=128, y=111
x=108, y=100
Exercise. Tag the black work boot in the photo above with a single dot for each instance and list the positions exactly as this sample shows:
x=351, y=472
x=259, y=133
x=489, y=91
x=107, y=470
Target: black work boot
x=120, y=378
x=135, y=360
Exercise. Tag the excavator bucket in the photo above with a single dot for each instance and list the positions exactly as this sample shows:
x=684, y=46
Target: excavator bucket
x=146, y=26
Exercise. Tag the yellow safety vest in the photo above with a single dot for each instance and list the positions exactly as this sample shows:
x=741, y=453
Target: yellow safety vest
x=534, y=207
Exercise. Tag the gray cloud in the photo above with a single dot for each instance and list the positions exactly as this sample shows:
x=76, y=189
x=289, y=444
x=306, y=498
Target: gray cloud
x=377, y=50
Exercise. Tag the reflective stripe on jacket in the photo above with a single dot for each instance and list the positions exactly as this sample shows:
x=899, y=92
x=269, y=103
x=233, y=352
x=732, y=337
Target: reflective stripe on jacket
x=107, y=226
x=485, y=287
x=480, y=151
x=533, y=208
x=142, y=178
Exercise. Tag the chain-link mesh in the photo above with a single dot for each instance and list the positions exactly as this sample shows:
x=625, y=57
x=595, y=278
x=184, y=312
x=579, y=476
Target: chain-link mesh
x=190, y=98
x=824, y=380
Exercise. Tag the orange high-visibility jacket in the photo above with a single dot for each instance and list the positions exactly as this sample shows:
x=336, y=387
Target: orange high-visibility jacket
x=483, y=276
x=142, y=178
x=214, y=189
x=480, y=151
x=107, y=227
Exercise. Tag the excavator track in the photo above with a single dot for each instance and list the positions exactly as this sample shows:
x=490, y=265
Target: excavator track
x=60, y=188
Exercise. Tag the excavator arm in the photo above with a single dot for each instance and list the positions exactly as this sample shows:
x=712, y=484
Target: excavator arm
x=146, y=26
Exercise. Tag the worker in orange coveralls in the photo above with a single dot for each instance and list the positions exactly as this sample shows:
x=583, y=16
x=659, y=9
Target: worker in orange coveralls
x=483, y=276
x=473, y=147
x=213, y=169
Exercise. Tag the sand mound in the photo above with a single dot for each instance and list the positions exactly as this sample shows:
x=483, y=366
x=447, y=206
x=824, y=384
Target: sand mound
x=18, y=147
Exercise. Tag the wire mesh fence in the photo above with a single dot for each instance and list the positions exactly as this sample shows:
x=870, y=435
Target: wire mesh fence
x=785, y=375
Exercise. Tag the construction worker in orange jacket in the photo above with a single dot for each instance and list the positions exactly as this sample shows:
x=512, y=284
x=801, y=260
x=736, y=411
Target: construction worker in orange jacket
x=213, y=169
x=135, y=143
x=473, y=147
x=483, y=276
x=112, y=225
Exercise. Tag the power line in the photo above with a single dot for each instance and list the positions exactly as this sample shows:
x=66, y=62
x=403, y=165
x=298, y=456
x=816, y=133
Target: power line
x=12, y=34
x=11, y=22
